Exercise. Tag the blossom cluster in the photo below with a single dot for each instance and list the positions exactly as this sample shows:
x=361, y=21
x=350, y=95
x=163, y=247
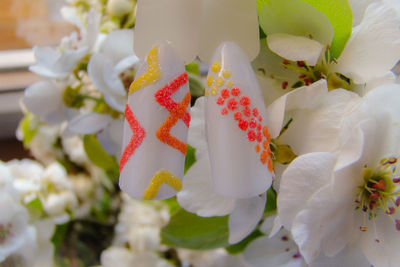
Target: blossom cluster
x=326, y=118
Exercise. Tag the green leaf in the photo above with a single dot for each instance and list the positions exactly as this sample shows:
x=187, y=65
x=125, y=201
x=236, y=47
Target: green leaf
x=295, y=17
x=195, y=86
x=35, y=208
x=270, y=206
x=193, y=68
x=59, y=235
x=260, y=4
x=173, y=204
x=99, y=157
x=190, y=157
x=239, y=247
x=340, y=15
x=187, y=230
x=101, y=208
x=29, y=128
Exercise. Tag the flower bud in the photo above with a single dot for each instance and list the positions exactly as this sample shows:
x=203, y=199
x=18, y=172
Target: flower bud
x=119, y=8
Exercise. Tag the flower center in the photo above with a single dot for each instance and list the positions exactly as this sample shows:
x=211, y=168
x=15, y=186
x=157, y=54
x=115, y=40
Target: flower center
x=127, y=77
x=5, y=232
x=311, y=74
x=379, y=191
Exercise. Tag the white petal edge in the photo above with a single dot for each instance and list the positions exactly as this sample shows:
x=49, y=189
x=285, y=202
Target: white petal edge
x=295, y=48
x=303, y=97
x=245, y=217
x=304, y=176
x=88, y=123
x=197, y=195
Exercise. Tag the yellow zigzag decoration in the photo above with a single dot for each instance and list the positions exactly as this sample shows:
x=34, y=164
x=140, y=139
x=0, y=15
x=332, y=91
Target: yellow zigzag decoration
x=161, y=177
x=152, y=75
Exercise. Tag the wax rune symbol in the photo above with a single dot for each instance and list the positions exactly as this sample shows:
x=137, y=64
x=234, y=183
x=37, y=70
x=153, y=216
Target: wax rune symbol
x=136, y=139
x=178, y=111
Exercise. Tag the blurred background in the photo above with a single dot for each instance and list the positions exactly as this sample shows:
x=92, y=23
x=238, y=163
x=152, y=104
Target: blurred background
x=23, y=24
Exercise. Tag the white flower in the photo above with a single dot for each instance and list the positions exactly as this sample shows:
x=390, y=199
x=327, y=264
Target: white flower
x=119, y=8
x=42, y=145
x=48, y=92
x=369, y=55
x=59, y=196
x=209, y=258
x=144, y=238
x=73, y=147
x=330, y=200
x=374, y=46
x=134, y=217
x=37, y=251
x=109, y=131
x=58, y=62
x=119, y=256
x=279, y=250
x=50, y=185
x=14, y=227
x=113, y=68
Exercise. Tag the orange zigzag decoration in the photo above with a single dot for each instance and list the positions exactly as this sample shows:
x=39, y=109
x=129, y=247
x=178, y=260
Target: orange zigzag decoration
x=152, y=75
x=177, y=112
x=136, y=139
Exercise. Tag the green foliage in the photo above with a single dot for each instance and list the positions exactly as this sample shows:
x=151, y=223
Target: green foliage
x=72, y=97
x=270, y=206
x=193, y=68
x=172, y=203
x=59, y=235
x=195, y=86
x=101, y=208
x=297, y=18
x=327, y=21
x=187, y=230
x=29, y=127
x=190, y=157
x=260, y=4
x=241, y=246
x=99, y=157
x=35, y=208
x=340, y=15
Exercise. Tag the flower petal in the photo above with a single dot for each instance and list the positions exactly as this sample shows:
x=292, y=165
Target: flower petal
x=89, y=123
x=303, y=97
x=377, y=40
x=295, y=48
x=278, y=251
x=111, y=138
x=118, y=45
x=305, y=175
x=384, y=252
x=197, y=195
x=326, y=224
x=45, y=92
x=197, y=135
x=245, y=217
x=349, y=256
x=97, y=76
x=319, y=129
x=120, y=256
